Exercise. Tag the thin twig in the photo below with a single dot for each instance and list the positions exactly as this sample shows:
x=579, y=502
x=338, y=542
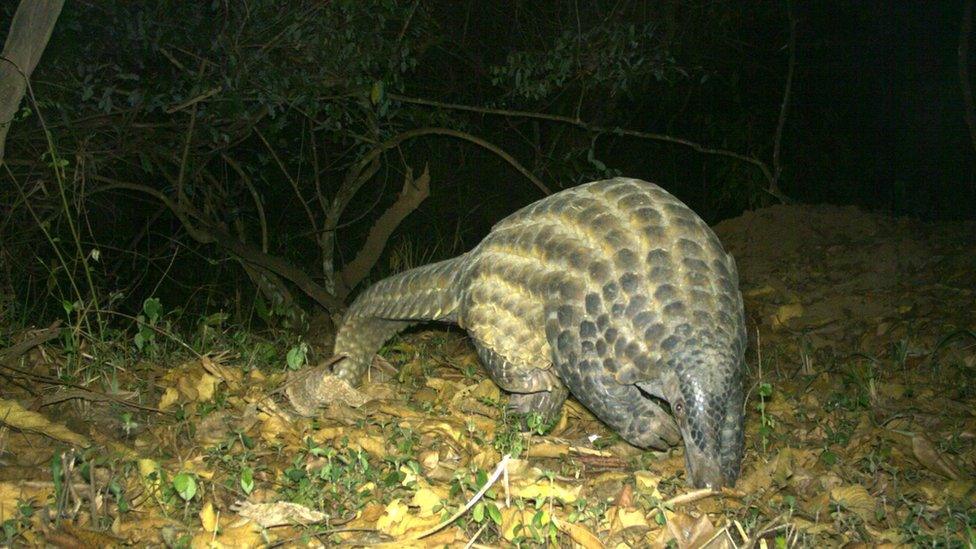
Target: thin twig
x=501, y=468
x=778, y=137
x=291, y=180
x=246, y=179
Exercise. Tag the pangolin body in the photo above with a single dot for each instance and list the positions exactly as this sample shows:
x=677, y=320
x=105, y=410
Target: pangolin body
x=613, y=291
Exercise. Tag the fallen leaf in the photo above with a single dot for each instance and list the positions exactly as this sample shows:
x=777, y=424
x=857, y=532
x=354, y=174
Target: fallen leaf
x=12, y=493
x=927, y=454
x=548, y=450
x=14, y=415
x=149, y=472
x=242, y=536
x=426, y=499
x=625, y=498
x=628, y=518
x=681, y=528
x=170, y=397
x=579, y=533
x=647, y=483
x=854, y=498
x=208, y=517
x=398, y=520
x=281, y=513
x=544, y=489
x=206, y=386
x=785, y=313
x=513, y=517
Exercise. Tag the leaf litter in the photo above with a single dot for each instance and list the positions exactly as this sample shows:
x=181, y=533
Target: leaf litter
x=861, y=428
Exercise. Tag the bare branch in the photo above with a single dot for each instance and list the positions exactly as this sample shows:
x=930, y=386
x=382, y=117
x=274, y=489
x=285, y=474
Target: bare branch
x=246, y=179
x=206, y=233
x=291, y=180
x=778, y=137
x=759, y=164
x=414, y=192
x=360, y=173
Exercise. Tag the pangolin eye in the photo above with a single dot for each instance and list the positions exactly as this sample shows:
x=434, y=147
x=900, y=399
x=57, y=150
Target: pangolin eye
x=679, y=408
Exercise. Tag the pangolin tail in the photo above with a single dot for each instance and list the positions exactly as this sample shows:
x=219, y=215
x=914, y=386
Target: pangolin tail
x=391, y=305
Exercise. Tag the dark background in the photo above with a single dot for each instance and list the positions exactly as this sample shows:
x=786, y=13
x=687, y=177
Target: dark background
x=875, y=119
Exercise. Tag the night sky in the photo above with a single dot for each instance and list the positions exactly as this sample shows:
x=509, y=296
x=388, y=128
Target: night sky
x=884, y=76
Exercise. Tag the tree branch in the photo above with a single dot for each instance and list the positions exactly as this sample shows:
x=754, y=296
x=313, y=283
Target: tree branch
x=778, y=137
x=759, y=164
x=246, y=180
x=206, y=233
x=363, y=171
x=30, y=29
x=414, y=192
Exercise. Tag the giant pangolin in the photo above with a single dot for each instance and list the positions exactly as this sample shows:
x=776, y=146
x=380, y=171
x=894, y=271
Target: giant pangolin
x=613, y=291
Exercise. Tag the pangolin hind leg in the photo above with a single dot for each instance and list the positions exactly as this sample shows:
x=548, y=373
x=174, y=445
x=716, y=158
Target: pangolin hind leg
x=532, y=389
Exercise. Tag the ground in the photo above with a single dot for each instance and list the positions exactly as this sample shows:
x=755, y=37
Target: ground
x=861, y=425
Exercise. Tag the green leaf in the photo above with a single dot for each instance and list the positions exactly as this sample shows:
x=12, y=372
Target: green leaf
x=478, y=514
x=377, y=93
x=153, y=309
x=495, y=514
x=185, y=485
x=247, y=480
x=57, y=473
x=296, y=356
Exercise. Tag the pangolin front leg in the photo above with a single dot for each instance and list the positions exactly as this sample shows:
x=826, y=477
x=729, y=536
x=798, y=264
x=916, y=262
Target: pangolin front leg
x=532, y=389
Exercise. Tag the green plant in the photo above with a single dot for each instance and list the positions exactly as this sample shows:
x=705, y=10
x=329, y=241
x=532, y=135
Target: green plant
x=767, y=423
x=14, y=527
x=297, y=356
x=145, y=338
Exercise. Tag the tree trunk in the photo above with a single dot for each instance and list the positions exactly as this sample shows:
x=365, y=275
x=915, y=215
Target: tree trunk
x=29, y=32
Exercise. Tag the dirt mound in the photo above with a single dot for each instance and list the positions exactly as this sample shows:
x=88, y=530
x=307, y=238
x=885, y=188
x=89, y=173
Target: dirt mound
x=837, y=275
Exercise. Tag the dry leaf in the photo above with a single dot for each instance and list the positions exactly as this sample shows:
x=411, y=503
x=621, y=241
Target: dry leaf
x=169, y=398
x=426, y=499
x=785, y=313
x=269, y=515
x=854, y=498
x=206, y=386
x=14, y=415
x=702, y=532
x=813, y=528
x=69, y=535
x=647, y=483
x=208, y=517
x=398, y=520
x=579, y=533
x=927, y=454
x=777, y=470
x=371, y=444
x=548, y=450
x=12, y=493
x=544, y=489
x=625, y=498
x=681, y=528
x=512, y=517
x=232, y=376
x=242, y=536
x=149, y=472
x=628, y=518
